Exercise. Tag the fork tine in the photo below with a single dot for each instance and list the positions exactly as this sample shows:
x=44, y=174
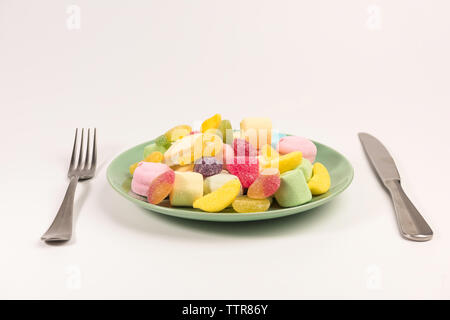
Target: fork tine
x=88, y=153
x=94, y=151
x=74, y=151
x=80, y=156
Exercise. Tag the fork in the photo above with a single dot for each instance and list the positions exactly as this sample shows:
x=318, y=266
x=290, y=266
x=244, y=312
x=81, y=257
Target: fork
x=84, y=169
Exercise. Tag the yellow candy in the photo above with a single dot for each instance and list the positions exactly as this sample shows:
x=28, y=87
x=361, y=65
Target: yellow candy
x=245, y=204
x=220, y=199
x=178, y=132
x=257, y=131
x=133, y=167
x=212, y=123
x=212, y=145
x=269, y=153
x=155, y=156
x=285, y=163
x=320, y=181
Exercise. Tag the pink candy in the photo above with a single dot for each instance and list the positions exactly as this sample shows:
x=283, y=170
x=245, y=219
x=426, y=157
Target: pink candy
x=290, y=144
x=242, y=147
x=228, y=154
x=245, y=168
x=265, y=185
x=153, y=180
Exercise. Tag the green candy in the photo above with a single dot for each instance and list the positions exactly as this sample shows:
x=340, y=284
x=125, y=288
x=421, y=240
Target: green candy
x=153, y=147
x=293, y=190
x=226, y=131
x=306, y=168
x=163, y=141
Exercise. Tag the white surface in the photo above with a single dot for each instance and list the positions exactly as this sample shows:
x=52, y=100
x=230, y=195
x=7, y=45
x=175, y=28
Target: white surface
x=322, y=69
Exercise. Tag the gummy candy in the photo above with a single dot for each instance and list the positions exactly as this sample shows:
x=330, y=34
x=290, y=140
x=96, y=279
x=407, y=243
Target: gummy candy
x=160, y=187
x=211, y=123
x=245, y=204
x=207, y=166
x=306, y=168
x=257, y=130
x=245, y=168
x=163, y=141
x=226, y=131
x=178, y=132
x=212, y=145
x=133, y=167
x=242, y=148
x=228, y=155
x=268, y=153
x=320, y=181
x=152, y=147
x=265, y=185
x=153, y=180
x=220, y=199
x=293, y=190
x=155, y=156
x=286, y=162
x=187, y=188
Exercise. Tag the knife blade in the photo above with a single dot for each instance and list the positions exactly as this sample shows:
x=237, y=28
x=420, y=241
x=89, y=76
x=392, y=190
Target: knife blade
x=411, y=223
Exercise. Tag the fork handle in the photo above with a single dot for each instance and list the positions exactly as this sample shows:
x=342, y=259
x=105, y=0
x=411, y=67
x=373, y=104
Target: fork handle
x=411, y=223
x=61, y=228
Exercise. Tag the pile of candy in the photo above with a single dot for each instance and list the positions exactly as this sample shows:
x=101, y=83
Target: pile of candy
x=217, y=167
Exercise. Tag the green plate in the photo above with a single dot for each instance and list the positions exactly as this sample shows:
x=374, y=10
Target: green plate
x=340, y=169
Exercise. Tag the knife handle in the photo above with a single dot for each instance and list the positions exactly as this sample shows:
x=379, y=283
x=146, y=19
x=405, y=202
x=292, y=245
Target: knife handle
x=411, y=223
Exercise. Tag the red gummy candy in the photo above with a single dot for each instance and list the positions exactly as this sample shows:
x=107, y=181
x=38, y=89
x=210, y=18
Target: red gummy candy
x=242, y=147
x=245, y=168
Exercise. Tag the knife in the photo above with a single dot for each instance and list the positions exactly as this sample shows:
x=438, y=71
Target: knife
x=410, y=222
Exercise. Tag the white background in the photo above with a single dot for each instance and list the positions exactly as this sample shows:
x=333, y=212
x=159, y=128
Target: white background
x=320, y=69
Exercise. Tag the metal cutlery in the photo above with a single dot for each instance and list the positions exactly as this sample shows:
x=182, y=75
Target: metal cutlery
x=82, y=167
x=411, y=223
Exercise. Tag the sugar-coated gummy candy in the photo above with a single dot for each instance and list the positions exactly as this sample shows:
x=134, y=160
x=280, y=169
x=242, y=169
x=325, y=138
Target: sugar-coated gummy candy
x=155, y=156
x=212, y=183
x=245, y=204
x=290, y=144
x=160, y=187
x=187, y=188
x=220, y=199
x=293, y=190
x=320, y=181
x=242, y=147
x=211, y=123
x=207, y=166
x=163, y=141
x=153, y=180
x=245, y=168
x=226, y=131
x=257, y=130
x=306, y=168
x=285, y=162
x=265, y=185
x=152, y=147
x=178, y=132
